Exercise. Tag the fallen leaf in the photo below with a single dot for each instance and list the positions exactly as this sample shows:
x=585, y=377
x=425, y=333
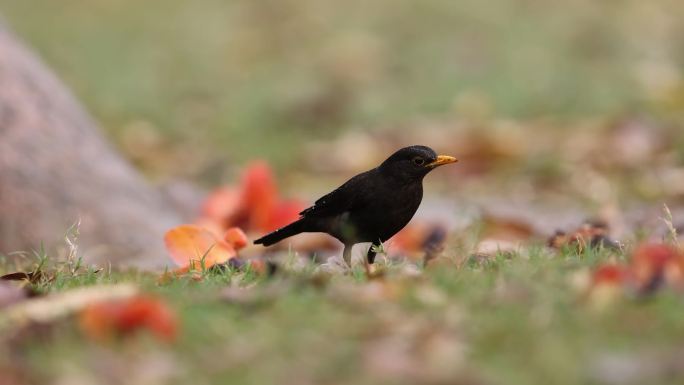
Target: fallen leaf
x=107, y=319
x=590, y=234
x=283, y=213
x=259, y=195
x=215, y=228
x=254, y=205
x=656, y=264
x=31, y=277
x=221, y=205
x=192, y=247
x=235, y=237
x=611, y=274
x=652, y=266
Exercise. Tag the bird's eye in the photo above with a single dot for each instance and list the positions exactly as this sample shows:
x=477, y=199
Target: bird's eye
x=418, y=161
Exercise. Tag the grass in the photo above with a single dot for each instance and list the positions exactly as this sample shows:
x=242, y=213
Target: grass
x=512, y=320
x=187, y=88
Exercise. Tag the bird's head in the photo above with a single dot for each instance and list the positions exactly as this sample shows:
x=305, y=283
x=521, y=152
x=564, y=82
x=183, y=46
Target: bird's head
x=414, y=162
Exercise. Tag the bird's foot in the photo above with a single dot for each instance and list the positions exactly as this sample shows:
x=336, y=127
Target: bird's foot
x=335, y=265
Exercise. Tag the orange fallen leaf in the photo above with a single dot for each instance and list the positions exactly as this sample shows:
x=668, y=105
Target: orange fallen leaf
x=104, y=320
x=235, y=237
x=191, y=245
x=217, y=229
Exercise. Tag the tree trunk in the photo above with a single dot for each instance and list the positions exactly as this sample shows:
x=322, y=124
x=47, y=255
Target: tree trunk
x=56, y=168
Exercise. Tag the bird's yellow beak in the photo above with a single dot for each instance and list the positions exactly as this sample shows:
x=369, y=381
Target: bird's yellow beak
x=441, y=160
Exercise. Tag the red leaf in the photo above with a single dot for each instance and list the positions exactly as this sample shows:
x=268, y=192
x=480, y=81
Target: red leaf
x=105, y=320
x=650, y=262
x=654, y=255
x=610, y=275
x=221, y=205
x=259, y=195
x=283, y=214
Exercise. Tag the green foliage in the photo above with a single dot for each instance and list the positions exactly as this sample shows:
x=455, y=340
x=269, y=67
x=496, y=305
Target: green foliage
x=515, y=311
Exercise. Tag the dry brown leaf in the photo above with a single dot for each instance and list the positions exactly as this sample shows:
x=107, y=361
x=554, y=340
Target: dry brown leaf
x=30, y=277
x=590, y=234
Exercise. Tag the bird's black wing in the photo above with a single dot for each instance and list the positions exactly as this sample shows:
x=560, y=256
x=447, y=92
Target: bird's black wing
x=347, y=197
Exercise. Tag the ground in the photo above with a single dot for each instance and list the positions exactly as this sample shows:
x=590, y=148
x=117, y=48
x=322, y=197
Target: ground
x=514, y=318
x=559, y=115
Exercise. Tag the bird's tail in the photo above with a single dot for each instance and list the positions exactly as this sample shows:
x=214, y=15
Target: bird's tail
x=293, y=228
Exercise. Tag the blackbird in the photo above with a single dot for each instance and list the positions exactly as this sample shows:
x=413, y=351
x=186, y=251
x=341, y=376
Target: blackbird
x=370, y=207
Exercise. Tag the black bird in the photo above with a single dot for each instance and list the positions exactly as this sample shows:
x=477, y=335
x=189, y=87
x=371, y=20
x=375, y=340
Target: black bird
x=370, y=207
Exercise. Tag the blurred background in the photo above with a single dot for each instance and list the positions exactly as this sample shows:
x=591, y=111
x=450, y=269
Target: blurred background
x=583, y=101
x=183, y=87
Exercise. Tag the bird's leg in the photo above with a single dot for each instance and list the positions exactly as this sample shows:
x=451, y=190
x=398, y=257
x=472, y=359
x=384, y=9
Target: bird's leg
x=370, y=257
x=347, y=254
